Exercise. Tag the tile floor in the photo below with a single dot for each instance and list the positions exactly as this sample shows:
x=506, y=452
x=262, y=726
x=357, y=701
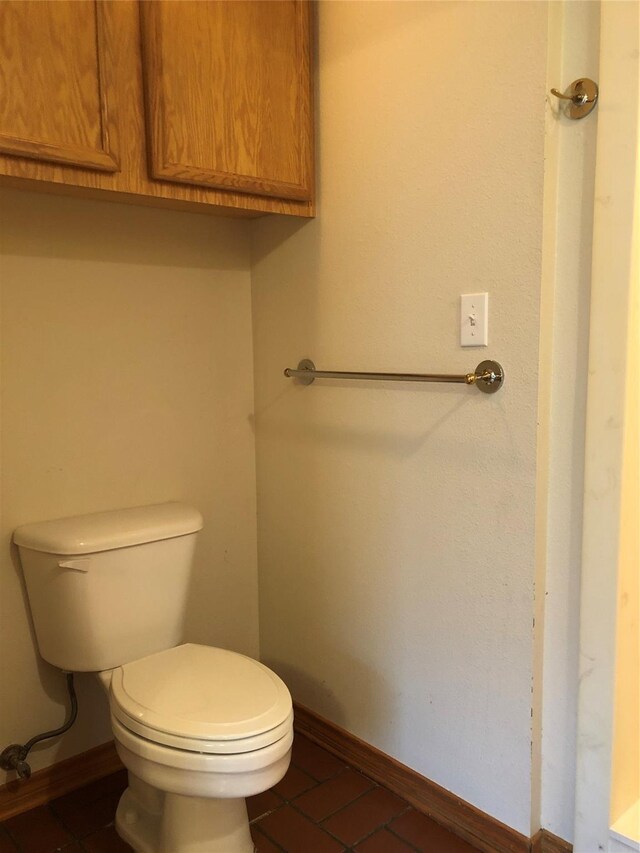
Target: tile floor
x=321, y=806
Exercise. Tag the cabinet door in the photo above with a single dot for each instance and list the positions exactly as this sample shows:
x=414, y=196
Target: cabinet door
x=227, y=88
x=54, y=83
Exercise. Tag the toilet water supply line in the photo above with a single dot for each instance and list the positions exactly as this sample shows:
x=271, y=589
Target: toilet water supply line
x=13, y=757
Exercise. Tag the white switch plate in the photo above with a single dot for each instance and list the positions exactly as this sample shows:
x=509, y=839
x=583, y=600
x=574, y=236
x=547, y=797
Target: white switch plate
x=474, y=319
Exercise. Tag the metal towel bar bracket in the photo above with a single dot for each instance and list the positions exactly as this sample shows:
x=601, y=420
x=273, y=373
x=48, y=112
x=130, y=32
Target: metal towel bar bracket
x=488, y=376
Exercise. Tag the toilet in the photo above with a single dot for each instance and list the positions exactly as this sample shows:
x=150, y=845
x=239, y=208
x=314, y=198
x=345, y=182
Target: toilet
x=198, y=728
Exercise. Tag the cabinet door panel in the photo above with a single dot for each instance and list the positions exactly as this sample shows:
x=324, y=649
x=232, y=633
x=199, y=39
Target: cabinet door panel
x=54, y=83
x=227, y=88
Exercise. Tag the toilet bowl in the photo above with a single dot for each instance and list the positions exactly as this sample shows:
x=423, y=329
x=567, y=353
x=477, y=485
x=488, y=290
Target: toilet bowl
x=198, y=728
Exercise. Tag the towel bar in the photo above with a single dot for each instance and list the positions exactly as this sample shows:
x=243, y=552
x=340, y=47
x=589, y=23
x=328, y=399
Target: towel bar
x=487, y=377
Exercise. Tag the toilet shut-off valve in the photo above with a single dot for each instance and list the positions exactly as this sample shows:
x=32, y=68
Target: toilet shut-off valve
x=13, y=757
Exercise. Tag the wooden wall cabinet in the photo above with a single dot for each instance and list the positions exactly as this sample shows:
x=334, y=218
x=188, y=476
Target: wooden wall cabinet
x=195, y=104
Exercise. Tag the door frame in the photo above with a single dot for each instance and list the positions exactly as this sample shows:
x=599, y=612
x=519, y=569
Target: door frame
x=615, y=199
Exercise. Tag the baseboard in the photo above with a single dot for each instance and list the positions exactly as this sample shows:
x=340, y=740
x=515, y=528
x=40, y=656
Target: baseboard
x=45, y=785
x=479, y=829
x=546, y=842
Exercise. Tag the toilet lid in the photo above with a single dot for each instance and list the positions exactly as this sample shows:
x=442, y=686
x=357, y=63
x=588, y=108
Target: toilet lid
x=201, y=698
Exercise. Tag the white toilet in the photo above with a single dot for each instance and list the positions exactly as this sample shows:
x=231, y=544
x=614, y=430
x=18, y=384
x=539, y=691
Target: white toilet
x=198, y=728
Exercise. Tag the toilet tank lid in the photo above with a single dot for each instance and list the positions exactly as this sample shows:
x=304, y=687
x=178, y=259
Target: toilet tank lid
x=106, y=531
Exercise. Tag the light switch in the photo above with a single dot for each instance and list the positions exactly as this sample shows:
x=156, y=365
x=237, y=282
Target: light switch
x=474, y=319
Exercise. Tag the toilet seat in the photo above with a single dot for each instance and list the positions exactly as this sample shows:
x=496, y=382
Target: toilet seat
x=201, y=699
x=201, y=763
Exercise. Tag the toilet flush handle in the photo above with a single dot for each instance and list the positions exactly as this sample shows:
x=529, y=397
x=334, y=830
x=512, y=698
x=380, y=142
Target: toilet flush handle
x=81, y=565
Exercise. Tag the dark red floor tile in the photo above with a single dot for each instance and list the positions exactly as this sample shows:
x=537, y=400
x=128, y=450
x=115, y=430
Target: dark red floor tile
x=263, y=844
x=115, y=782
x=294, y=783
x=351, y=808
x=38, y=831
x=333, y=795
x=296, y=834
x=383, y=841
x=427, y=835
x=6, y=844
x=82, y=820
x=105, y=841
x=262, y=804
x=315, y=760
x=363, y=816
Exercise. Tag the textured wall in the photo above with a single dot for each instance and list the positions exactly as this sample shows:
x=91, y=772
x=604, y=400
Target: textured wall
x=127, y=379
x=396, y=523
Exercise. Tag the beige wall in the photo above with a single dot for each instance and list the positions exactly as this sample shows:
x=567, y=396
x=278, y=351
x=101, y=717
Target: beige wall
x=396, y=523
x=127, y=379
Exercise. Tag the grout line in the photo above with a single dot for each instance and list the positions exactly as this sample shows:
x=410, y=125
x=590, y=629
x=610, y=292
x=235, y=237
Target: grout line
x=404, y=840
x=266, y=835
x=266, y=814
x=305, y=771
x=10, y=835
x=337, y=811
x=319, y=821
x=373, y=831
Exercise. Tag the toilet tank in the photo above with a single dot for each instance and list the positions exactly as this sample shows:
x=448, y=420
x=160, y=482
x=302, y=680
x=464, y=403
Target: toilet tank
x=111, y=587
